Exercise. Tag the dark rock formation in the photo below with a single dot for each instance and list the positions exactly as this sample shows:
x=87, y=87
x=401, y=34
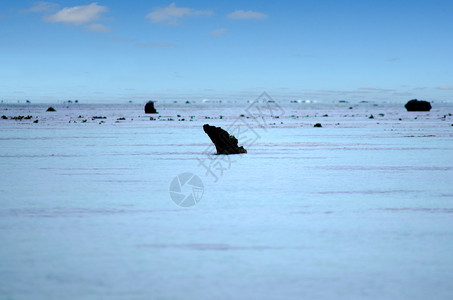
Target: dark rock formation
x=149, y=108
x=317, y=125
x=4, y=117
x=51, y=109
x=223, y=141
x=418, y=105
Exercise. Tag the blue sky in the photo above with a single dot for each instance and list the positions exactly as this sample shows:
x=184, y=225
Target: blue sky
x=138, y=50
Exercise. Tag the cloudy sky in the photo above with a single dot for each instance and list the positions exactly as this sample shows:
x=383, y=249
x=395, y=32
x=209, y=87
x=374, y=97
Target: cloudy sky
x=137, y=50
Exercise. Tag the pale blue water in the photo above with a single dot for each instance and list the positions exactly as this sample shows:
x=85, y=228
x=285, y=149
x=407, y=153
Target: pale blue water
x=361, y=208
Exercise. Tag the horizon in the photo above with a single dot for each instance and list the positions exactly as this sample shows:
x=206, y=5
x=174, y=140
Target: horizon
x=218, y=101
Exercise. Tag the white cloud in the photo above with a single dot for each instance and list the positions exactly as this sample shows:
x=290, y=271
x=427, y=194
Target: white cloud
x=155, y=44
x=247, y=15
x=405, y=94
x=121, y=39
x=445, y=87
x=393, y=59
x=78, y=15
x=98, y=28
x=218, y=32
x=171, y=15
x=343, y=92
x=375, y=89
x=42, y=6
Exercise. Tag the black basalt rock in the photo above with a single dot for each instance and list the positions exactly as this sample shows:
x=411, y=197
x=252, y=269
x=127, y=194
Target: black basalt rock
x=149, y=108
x=223, y=141
x=418, y=105
x=51, y=109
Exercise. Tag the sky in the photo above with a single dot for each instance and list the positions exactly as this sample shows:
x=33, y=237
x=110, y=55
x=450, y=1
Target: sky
x=308, y=50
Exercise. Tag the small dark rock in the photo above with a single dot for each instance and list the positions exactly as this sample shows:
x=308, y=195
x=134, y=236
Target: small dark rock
x=35, y=121
x=4, y=117
x=418, y=105
x=223, y=141
x=317, y=125
x=371, y=117
x=121, y=119
x=51, y=109
x=149, y=108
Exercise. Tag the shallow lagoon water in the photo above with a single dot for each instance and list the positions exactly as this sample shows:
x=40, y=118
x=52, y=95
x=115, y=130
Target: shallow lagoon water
x=360, y=208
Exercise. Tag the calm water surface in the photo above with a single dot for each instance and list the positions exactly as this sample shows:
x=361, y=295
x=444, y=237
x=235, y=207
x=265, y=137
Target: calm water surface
x=360, y=208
